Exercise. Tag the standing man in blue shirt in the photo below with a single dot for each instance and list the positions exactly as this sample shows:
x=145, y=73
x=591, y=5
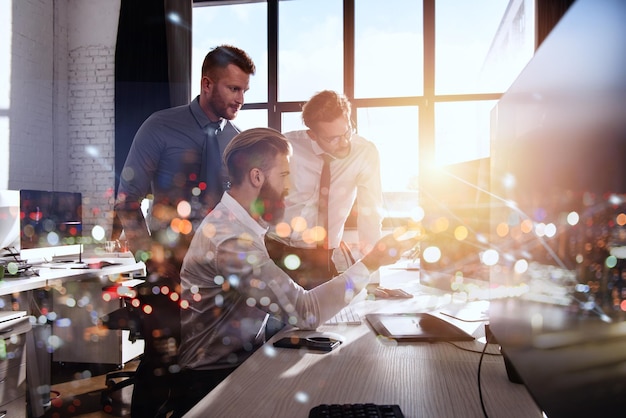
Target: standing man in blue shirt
x=175, y=159
x=165, y=163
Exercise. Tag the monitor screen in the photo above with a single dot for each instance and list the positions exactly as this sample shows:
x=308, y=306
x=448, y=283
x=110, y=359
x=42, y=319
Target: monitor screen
x=50, y=224
x=558, y=216
x=456, y=221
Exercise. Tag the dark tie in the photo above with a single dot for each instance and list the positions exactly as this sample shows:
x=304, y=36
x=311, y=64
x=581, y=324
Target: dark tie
x=322, y=210
x=212, y=167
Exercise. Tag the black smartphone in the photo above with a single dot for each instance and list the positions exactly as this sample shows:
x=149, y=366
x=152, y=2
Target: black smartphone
x=310, y=343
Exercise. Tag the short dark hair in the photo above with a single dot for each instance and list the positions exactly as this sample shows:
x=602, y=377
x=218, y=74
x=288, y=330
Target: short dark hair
x=219, y=58
x=254, y=148
x=325, y=106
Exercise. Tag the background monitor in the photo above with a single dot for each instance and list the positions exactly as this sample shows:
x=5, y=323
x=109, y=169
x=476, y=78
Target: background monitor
x=50, y=224
x=558, y=216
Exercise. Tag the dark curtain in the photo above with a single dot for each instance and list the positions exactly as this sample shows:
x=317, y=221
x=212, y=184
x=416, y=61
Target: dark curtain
x=178, y=35
x=152, y=67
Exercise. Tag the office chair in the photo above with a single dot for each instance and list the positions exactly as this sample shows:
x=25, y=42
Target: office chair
x=153, y=315
x=128, y=318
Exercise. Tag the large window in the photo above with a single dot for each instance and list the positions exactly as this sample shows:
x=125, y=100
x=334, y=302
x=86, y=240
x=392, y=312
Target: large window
x=422, y=75
x=241, y=25
x=389, y=45
x=310, y=48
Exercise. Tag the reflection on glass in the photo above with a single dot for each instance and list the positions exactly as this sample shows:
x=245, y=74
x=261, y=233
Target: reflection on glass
x=240, y=25
x=482, y=45
x=310, y=47
x=388, y=43
x=462, y=131
x=394, y=130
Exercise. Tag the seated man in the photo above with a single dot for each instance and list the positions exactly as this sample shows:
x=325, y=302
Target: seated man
x=229, y=283
x=316, y=213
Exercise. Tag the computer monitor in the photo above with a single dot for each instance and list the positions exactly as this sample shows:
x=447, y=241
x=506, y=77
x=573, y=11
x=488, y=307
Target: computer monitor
x=9, y=222
x=558, y=217
x=50, y=224
x=455, y=201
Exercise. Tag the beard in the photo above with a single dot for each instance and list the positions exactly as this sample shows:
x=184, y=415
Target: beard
x=220, y=107
x=273, y=204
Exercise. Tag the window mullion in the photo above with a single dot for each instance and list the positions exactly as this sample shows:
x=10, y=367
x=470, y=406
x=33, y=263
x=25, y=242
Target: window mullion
x=273, y=116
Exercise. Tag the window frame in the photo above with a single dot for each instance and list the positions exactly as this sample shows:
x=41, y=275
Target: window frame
x=425, y=103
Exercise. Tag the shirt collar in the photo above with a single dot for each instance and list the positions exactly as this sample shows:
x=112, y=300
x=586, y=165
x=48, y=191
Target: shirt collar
x=259, y=227
x=317, y=149
x=201, y=117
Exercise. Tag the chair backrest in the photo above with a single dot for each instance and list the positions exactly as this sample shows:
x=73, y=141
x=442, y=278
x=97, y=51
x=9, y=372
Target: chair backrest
x=160, y=323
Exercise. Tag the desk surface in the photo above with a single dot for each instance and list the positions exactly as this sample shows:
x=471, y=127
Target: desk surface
x=48, y=276
x=426, y=380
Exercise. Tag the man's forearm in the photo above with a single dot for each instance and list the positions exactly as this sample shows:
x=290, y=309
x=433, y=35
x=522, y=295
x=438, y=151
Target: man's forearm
x=135, y=228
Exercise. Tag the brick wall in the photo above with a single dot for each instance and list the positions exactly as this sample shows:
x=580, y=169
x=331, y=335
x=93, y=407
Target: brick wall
x=91, y=128
x=61, y=115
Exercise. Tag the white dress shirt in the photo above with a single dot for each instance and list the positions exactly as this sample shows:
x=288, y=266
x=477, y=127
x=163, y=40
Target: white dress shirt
x=231, y=285
x=355, y=177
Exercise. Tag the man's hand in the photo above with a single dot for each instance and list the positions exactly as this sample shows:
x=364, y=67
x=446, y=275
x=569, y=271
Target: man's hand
x=390, y=248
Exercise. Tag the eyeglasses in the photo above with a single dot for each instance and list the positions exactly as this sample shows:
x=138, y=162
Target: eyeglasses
x=347, y=135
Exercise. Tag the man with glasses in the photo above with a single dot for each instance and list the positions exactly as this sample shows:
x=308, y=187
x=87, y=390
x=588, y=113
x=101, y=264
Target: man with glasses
x=310, y=238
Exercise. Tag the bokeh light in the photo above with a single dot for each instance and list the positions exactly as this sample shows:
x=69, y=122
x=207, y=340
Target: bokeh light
x=98, y=233
x=490, y=257
x=431, y=254
x=283, y=229
x=292, y=262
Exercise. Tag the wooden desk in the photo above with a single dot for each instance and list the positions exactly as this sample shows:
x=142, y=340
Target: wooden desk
x=426, y=380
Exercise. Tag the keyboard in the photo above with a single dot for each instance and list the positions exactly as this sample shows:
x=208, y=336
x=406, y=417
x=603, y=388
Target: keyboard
x=346, y=316
x=356, y=410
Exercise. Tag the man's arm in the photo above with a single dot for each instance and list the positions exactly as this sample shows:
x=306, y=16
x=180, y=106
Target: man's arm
x=134, y=225
x=265, y=286
x=135, y=183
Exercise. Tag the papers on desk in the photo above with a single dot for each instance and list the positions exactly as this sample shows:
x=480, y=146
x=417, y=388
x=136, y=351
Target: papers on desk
x=65, y=265
x=9, y=315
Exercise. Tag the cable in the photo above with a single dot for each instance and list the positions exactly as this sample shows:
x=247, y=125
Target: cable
x=480, y=390
x=475, y=351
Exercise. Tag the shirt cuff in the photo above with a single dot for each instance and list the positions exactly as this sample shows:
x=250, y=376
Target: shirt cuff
x=359, y=274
